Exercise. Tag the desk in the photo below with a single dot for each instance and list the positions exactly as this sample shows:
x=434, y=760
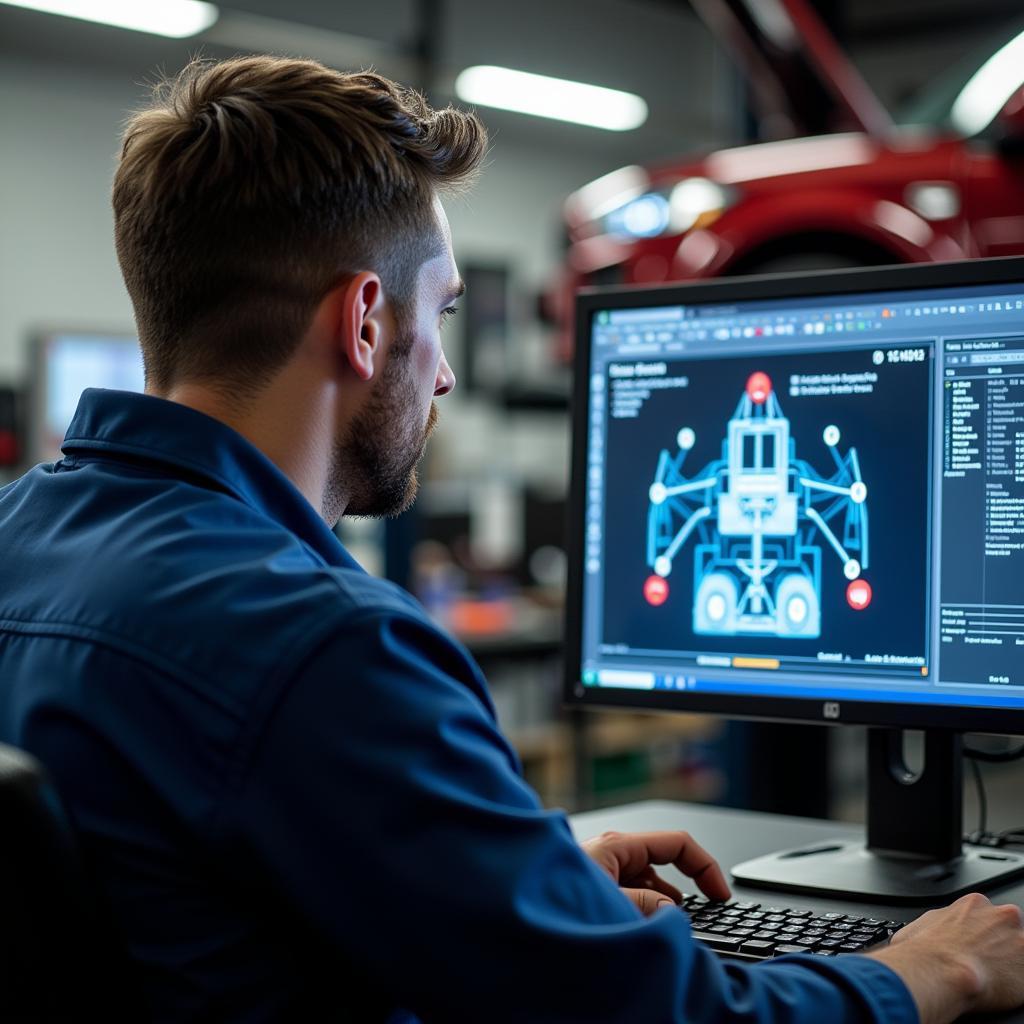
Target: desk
x=734, y=836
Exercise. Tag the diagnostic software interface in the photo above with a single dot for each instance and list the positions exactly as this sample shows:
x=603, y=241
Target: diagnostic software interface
x=812, y=497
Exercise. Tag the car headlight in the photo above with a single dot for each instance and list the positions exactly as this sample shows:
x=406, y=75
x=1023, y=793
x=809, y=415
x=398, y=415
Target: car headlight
x=690, y=203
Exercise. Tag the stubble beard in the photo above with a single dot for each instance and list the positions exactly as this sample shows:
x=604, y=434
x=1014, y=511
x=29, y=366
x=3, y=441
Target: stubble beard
x=373, y=467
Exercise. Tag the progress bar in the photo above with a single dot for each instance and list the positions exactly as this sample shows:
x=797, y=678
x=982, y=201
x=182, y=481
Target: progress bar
x=767, y=663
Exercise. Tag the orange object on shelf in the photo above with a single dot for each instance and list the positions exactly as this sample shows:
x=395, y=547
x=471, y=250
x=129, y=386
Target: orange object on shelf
x=481, y=617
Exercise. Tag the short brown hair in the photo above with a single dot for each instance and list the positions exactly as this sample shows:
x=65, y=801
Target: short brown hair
x=251, y=186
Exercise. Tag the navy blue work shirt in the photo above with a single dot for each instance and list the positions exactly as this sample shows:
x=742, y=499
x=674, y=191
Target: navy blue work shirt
x=293, y=782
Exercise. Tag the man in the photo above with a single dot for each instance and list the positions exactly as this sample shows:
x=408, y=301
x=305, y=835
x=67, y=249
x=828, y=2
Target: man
x=290, y=781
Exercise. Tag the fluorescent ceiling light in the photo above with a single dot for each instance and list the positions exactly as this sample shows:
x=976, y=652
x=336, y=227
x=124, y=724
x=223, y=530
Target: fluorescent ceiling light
x=556, y=98
x=174, y=18
x=989, y=88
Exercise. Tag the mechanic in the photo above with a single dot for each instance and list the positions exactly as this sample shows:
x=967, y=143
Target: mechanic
x=291, y=781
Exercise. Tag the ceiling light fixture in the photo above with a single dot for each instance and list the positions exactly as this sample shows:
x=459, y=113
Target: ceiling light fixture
x=176, y=19
x=989, y=88
x=556, y=98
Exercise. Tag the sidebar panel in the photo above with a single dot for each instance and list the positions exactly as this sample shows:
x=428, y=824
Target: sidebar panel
x=981, y=590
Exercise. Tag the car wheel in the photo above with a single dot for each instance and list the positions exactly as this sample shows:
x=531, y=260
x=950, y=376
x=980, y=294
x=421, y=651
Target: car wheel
x=796, y=261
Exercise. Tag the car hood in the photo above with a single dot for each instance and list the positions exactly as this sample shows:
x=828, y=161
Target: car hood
x=767, y=166
x=780, y=159
x=734, y=166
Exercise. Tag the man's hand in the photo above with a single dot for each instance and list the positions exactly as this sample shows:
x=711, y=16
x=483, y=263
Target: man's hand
x=629, y=859
x=968, y=957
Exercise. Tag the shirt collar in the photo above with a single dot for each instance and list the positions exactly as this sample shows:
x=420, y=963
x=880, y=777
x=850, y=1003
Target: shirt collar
x=178, y=437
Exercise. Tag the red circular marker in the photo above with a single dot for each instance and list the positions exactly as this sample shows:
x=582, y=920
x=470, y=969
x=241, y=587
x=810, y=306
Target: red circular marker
x=759, y=387
x=858, y=595
x=655, y=590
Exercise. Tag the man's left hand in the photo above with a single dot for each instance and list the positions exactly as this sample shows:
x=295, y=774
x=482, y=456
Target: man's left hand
x=629, y=859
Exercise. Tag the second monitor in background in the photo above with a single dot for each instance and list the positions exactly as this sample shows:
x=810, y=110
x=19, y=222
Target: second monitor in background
x=62, y=365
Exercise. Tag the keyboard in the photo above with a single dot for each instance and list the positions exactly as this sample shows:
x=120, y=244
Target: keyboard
x=756, y=931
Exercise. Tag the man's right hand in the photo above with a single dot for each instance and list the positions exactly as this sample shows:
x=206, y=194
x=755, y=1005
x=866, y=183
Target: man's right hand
x=968, y=957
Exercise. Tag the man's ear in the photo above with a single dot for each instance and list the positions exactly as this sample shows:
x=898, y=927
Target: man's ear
x=359, y=328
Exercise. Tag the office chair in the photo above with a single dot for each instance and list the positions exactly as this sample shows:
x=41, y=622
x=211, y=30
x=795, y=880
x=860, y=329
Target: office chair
x=60, y=958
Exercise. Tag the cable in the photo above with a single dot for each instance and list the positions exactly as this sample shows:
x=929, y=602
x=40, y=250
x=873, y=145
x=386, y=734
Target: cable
x=982, y=837
x=979, y=784
x=990, y=757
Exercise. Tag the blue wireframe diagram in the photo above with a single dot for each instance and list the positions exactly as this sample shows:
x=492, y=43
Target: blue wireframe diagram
x=762, y=520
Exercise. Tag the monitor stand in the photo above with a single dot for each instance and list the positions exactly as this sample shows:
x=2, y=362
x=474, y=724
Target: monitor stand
x=914, y=852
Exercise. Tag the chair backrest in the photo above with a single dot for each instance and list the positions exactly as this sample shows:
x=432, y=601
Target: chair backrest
x=60, y=958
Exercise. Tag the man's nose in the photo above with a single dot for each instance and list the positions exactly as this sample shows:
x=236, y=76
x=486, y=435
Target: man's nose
x=445, y=378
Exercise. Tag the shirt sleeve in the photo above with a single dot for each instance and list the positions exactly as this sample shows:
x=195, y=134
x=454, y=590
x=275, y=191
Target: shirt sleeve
x=382, y=800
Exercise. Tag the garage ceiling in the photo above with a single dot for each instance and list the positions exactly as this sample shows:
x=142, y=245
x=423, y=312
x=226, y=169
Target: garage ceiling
x=656, y=48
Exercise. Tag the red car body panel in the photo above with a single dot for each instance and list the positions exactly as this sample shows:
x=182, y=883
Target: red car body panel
x=995, y=204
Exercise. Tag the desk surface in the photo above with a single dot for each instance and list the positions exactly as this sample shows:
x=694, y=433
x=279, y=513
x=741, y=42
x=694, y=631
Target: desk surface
x=734, y=836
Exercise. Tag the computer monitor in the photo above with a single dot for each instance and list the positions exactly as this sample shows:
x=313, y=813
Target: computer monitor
x=63, y=364
x=802, y=498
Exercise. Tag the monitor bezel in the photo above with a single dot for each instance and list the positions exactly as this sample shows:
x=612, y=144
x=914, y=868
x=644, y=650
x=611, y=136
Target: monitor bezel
x=964, y=273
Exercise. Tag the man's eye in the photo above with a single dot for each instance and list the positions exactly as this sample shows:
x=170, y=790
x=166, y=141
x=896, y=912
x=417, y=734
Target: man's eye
x=447, y=314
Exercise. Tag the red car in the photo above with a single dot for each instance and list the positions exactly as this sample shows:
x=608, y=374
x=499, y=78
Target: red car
x=946, y=182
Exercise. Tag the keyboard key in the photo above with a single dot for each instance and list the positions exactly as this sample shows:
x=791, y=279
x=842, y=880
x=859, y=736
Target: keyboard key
x=798, y=913
x=793, y=948
x=824, y=952
x=850, y=947
x=759, y=948
x=833, y=917
x=747, y=906
x=718, y=942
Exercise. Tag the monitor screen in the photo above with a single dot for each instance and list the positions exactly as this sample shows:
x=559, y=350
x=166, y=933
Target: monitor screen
x=803, y=497
x=65, y=365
